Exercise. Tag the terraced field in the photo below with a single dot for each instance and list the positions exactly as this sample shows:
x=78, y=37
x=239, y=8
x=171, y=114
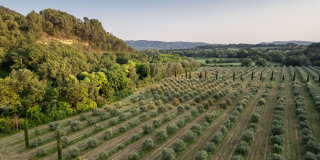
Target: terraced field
x=229, y=113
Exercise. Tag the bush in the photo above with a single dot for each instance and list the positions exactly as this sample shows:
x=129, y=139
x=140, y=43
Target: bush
x=108, y=134
x=73, y=152
x=277, y=149
x=41, y=152
x=247, y=136
x=113, y=121
x=151, y=105
x=277, y=130
x=209, y=117
x=114, y=112
x=83, y=116
x=103, y=115
x=178, y=145
x=255, y=118
x=147, y=144
x=91, y=121
x=122, y=129
x=143, y=116
x=242, y=148
x=135, y=137
x=217, y=137
x=103, y=155
x=147, y=128
x=161, y=134
x=275, y=156
x=171, y=128
x=309, y=156
x=200, y=108
x=92, y=143
x=223, y=129
x=133, y=156
x=161, y=109
x=168, y=154
x=262, y=101
x=180, y=123
x=75, y=125
x=134, y=111
x=194, y=112
x=64, y=141
x=156, y=123
x=223, y=105
x=201, y=155
x=228, y=101
x=123, y=116
x=153, y=114
x=54, y=126
x=238, y=157
x=210, y=147
x=176, y=101
x=189, y=136
x=95, y=112
x=276, y=140
x=312, y=146
x=180, y=109
x=187, y=107
x=195, y=128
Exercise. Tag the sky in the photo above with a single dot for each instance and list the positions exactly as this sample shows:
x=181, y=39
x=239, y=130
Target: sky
x=211, y=21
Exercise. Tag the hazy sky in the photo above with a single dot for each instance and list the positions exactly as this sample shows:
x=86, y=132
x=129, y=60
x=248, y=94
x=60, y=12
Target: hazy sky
x=212, y=21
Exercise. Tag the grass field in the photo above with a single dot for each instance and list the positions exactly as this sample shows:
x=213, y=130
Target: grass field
x=150, y=123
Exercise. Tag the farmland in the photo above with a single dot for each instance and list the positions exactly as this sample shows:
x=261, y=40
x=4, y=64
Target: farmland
x=226, y=113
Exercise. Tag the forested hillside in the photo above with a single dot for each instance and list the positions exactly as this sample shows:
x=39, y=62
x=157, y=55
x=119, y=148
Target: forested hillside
x=43, y=79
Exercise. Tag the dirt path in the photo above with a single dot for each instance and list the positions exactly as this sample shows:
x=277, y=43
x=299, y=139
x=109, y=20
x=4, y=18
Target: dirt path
x=263, y=132
x=226, y=148
x=292, y=137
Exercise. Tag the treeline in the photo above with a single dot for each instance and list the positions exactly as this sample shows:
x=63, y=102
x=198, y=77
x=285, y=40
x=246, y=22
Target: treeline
x=47, y=82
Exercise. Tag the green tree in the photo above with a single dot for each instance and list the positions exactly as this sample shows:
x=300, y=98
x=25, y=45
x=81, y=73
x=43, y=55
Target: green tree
x=261, y=62
x=26, y=133
x=59, y=145
x=246, y=62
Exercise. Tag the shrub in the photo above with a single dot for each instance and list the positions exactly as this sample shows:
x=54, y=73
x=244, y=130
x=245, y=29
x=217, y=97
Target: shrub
x=114, y=112
x=242, y=148
x=133, y=156
x=103, y=155
x=134, y=111
x=255, y=118
x=92, y=143
x=95, y=112
x=223, y=105
x=312, y=146
x=195, y=128
x=151, y=105
x=75, y=125
x=54, y=126
x=209, y=117
x=171, y=128
x=189, y=136
x=168, y=154
x=153, y=113
x=64, y=141
x=156, y=123
x=210, y=147
x=197, y=99
x=143, y=116
x=41, y=152
x=123, y=116
x=176, y=101
x=108, y=134
x=275, y=156
x=122, y=129
x=147, y=128
x=180, y=123
x=217, y=137
x=73, y=152
x=178, y=145
x=187, y=107
x=83, y=116
x=161, y=109
x=201, y=155
x=277, y=149
x=223, y=129
x=238, y=157
x=180, y=109
x=194, y=112
x=309, y=156
x=103, y=115
x=161, y=134
x=277, y=130
x=188, y=118
x=247, y=136
x=147, y=144
x=135, y=137
x=200, y=108
x=262, y=101
x=228, y=101
x=113, y=121
x=143, y=109
x=91, y=121
x=276, y=140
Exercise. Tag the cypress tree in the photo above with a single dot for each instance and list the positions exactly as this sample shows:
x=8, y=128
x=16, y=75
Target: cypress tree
x=205, y=74
x=200, y=75
x=216, y=75
x=233, y=76
x=294, y=76
x=26, y=133
x=190, y=75
x=175, y=73
x=186, y=73
x=283, y=77
x=271, y=76
x=319, y=78
x=261, y=76
x=308, y=78
x=241, y=77
x=59, y=145
x=252, y=76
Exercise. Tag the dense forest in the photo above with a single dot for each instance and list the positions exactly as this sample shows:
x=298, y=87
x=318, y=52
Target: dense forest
x=289, y=54
x=43, y=79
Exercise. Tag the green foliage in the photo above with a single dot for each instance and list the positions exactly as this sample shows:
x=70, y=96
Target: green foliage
x=26, y=133
x=246, y=62
x=59, y=145
x=201, y=155
x=147, y=144
x=168, y=154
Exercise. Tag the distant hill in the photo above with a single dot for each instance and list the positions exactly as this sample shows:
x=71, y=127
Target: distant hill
x=285, y=42
x=144, y=44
